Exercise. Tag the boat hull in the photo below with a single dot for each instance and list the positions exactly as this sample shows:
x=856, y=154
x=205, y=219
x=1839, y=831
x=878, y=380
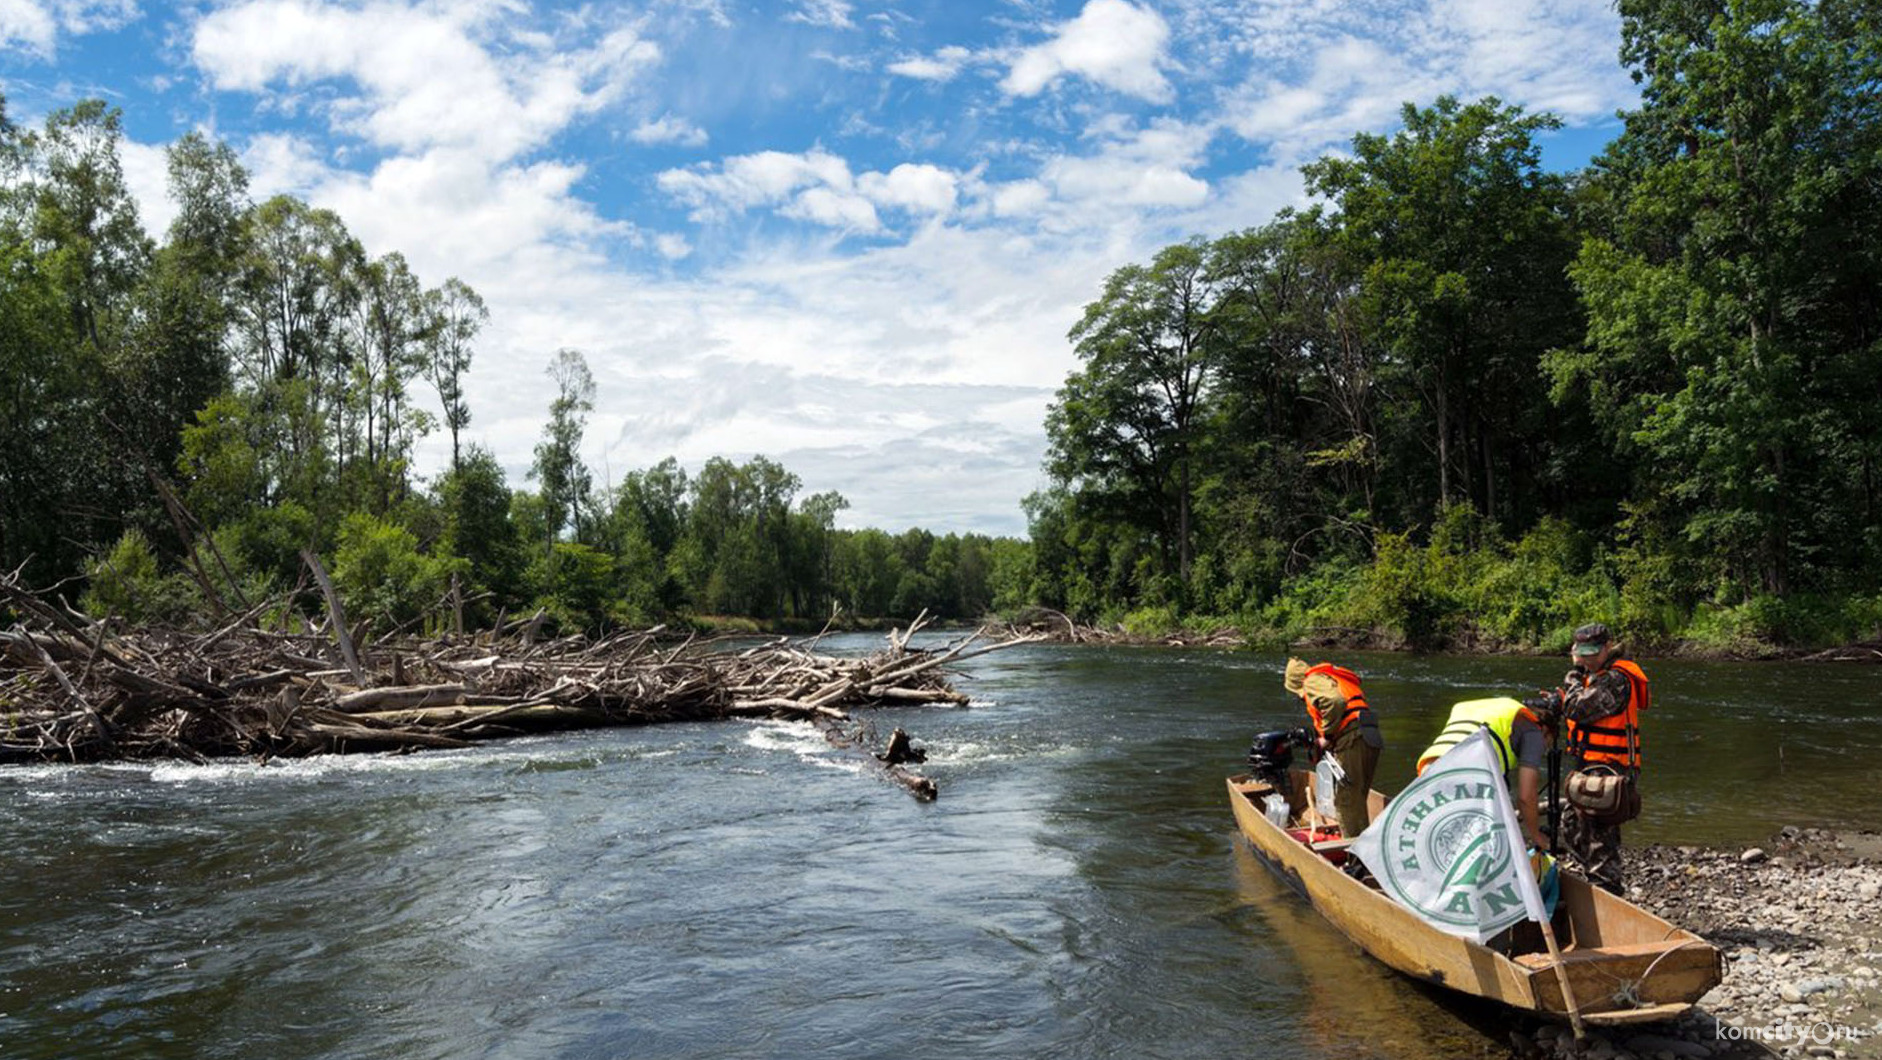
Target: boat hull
x=1624, y=964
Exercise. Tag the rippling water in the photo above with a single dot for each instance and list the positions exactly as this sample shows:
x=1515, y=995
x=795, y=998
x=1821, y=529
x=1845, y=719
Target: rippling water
x=739, y=890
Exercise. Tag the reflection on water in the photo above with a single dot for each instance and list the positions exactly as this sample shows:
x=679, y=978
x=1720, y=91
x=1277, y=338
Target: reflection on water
x=741, y=890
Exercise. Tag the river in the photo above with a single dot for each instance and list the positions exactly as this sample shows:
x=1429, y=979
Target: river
x=741, y=890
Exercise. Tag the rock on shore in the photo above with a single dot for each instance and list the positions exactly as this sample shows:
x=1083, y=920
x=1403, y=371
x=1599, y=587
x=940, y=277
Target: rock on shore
x=1798, y=921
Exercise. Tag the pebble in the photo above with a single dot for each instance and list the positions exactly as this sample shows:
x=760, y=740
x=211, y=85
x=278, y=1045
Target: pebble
x=1752, y=856
x=1659, y=1044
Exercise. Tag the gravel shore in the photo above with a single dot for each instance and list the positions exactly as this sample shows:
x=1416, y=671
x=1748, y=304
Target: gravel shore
x=1797, y=919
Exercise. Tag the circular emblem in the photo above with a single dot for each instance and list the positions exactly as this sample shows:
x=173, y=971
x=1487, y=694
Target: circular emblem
x=1445, y=850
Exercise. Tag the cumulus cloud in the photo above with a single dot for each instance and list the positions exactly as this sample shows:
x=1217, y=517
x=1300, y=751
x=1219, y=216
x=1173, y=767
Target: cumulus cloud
x=27, y=25
x=814, y=186
x=1113, y=43
x=425, y=73
x=34, y=26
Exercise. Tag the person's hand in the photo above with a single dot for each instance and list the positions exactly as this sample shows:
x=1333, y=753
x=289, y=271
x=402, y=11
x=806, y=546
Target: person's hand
x=1323, y=743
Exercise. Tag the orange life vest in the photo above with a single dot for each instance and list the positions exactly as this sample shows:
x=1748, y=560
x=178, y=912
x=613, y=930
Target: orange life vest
x=1357, y=712
x=1607, y=740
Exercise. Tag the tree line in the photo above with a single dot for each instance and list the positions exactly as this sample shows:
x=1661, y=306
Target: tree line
x=1459, y=399
x=1464, y=397
x=181, y=418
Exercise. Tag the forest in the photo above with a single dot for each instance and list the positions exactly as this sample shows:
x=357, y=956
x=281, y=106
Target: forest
x=1458, y=401
x=180, y=418
x=1464, y=401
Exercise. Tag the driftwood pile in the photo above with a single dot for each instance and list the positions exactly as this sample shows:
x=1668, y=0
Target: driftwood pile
x=1044, y=623
x=75, y=689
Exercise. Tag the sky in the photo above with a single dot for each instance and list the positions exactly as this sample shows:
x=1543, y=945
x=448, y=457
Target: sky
x=848, y=235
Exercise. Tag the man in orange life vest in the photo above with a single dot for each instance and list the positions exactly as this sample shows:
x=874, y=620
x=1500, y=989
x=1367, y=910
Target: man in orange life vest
x=1603, y=697
x=1345, y=728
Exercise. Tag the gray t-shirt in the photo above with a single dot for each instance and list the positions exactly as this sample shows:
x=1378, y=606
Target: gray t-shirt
x=1529, y=744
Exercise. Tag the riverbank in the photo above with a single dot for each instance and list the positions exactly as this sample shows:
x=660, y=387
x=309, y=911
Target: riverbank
x=1795, y=918
x=1160, y=630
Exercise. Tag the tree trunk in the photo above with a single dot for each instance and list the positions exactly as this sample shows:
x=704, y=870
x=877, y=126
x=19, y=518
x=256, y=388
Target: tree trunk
x=1444, y=443
x=1489, y=474
x=1182, y=523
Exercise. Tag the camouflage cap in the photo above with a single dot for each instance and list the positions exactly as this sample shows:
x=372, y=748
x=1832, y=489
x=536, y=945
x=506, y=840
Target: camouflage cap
x=1591, y=638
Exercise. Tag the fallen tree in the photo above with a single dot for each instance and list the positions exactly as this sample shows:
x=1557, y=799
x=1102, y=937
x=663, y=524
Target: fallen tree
x=74, y=688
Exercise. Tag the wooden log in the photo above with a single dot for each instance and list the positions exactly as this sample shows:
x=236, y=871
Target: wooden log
x=398, y=698
x=338, y=615
x=360, y=734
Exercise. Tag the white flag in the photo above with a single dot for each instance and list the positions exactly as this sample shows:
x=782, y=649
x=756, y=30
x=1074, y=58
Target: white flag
x=1449, y=847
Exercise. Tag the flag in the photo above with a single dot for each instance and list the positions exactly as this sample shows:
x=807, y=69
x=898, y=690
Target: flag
x=1449, y=847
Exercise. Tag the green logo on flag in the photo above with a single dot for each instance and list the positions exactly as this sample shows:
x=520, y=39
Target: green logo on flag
x=1445, y=852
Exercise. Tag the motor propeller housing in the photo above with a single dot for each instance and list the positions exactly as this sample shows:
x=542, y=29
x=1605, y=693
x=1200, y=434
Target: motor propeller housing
x=1273, y=752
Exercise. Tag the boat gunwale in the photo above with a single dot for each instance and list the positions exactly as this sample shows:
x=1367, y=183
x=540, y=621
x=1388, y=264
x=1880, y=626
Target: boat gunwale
x=1409, y=945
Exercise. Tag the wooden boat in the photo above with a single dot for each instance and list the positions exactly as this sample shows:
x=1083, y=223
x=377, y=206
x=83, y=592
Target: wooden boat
x=1624, y=964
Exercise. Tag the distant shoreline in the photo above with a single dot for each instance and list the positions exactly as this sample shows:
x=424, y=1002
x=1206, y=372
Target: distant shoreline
x=1220, y=635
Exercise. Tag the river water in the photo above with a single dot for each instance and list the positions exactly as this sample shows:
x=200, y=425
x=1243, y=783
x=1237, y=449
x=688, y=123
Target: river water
x=741, y=890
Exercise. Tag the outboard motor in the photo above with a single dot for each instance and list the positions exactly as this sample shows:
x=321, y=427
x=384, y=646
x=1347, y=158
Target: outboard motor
x=1273, y=752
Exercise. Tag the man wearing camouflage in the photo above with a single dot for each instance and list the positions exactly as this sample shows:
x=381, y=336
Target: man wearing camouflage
x=1603, y=696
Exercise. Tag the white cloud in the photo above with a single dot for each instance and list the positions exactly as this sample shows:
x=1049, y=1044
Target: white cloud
x=1311, y=73
x=34, y=26
x=1352, y=85
x=1112, y=42
x=942, y=66
x=815, y=186
x=836, y=209
x=27, y=25
x=147, y=175
x=831, y=14
x=1019, y=198
x=426, y=76
x=672, y=246
x=1132, y=169
x=917, y=188
x=668, y=129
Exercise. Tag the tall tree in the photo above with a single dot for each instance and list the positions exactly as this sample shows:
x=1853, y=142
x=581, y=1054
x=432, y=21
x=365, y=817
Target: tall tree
x=459, y=315
x=1734, y=287
x=1126, y=425
x=559, y=469
x=1465, y=237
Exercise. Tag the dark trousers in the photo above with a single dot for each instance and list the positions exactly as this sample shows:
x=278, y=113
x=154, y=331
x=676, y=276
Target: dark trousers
x=1359, y=759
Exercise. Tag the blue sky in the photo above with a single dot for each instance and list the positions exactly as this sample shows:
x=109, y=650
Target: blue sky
x=847, y=234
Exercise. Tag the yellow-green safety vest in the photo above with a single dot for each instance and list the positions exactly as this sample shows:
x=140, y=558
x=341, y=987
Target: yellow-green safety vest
x=1499, y=714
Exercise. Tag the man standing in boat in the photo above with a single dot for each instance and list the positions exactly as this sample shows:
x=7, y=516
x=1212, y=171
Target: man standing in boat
x=1602, y=696
x=1345, y=727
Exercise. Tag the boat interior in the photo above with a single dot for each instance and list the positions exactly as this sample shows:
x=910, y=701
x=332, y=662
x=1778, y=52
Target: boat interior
x=1587, y=920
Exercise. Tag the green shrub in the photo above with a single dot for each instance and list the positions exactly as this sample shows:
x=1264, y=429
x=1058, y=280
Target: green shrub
x=380, y=573
x=1152, y=622
x=576, y=587
x=128, y=582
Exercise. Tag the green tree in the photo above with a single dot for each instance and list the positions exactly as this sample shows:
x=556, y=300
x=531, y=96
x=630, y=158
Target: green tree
x=479, y=529
x=1465, y=239
x=559, y=468
x=1730, y=288
x=1125, y=427
x=458, y=314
